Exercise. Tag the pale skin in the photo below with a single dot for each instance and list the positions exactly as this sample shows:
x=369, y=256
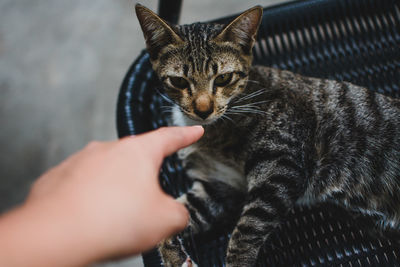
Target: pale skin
x=102, y=202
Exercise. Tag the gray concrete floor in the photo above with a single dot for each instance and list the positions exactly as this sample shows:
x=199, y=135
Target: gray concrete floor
x=61, y=65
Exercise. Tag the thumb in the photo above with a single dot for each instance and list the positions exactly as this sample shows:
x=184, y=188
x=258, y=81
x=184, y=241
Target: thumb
x=168, y=140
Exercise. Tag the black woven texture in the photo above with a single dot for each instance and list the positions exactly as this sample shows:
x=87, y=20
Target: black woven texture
x=346, y=40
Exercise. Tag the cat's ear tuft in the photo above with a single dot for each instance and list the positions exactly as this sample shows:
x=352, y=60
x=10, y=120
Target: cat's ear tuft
x=156, y=31
x=243, y=29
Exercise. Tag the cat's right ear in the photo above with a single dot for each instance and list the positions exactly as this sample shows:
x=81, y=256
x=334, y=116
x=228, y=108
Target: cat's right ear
x=156, y=31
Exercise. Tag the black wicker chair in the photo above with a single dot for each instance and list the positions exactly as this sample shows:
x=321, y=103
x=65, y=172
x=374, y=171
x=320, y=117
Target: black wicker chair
x=351, y=40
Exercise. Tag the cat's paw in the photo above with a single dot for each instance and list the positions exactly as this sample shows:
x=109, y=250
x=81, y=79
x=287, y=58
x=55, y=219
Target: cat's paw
x=173, y=253
x=189, y=263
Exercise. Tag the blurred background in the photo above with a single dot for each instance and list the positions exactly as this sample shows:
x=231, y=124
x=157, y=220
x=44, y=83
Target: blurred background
x=61, y=65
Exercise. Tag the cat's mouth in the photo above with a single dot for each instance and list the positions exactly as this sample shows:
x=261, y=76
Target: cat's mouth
x=186, y=117
x=202, y=121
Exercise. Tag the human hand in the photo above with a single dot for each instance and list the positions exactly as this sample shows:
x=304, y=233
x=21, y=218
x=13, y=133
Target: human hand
x=106, y=198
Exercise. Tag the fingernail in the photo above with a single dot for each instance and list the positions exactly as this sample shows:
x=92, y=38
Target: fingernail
x=198, y=127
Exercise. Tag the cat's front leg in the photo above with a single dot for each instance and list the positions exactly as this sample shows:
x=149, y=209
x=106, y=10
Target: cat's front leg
x=274, y=186
x=173, y=254
x=208, y=203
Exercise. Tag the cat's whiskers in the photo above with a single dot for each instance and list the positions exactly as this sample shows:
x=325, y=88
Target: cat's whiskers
x=241, y=112
x=254, y=104
x=253, y=81
x=225, y=116
x=167, y=109
x=165, y=97
x=247, y=110
x=249, y=96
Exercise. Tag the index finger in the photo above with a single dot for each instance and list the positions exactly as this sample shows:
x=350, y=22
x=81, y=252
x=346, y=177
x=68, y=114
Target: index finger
x=170, y=139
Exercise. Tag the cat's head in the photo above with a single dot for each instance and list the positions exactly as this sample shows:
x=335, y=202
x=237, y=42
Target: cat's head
x=202, y=66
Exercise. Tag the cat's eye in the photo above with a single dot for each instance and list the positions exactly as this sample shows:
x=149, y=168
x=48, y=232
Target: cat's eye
x=223, y=79
x=179, y=82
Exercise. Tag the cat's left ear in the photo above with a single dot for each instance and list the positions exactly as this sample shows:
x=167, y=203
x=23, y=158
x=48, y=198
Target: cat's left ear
x=243, y=29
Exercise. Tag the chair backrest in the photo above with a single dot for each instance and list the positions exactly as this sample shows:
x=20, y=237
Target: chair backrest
x=169, y=10
x=347, y=40
x=352, y=40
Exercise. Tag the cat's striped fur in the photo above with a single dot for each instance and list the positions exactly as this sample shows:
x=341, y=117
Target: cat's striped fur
x=273, y=139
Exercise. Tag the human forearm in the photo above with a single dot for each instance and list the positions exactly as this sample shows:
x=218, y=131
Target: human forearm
x=37, y=234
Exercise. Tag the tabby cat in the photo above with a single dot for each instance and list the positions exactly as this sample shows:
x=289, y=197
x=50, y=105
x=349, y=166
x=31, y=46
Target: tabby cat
x=273, y=139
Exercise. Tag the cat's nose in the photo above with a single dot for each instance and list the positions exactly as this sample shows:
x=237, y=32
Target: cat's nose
x=203, y=106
